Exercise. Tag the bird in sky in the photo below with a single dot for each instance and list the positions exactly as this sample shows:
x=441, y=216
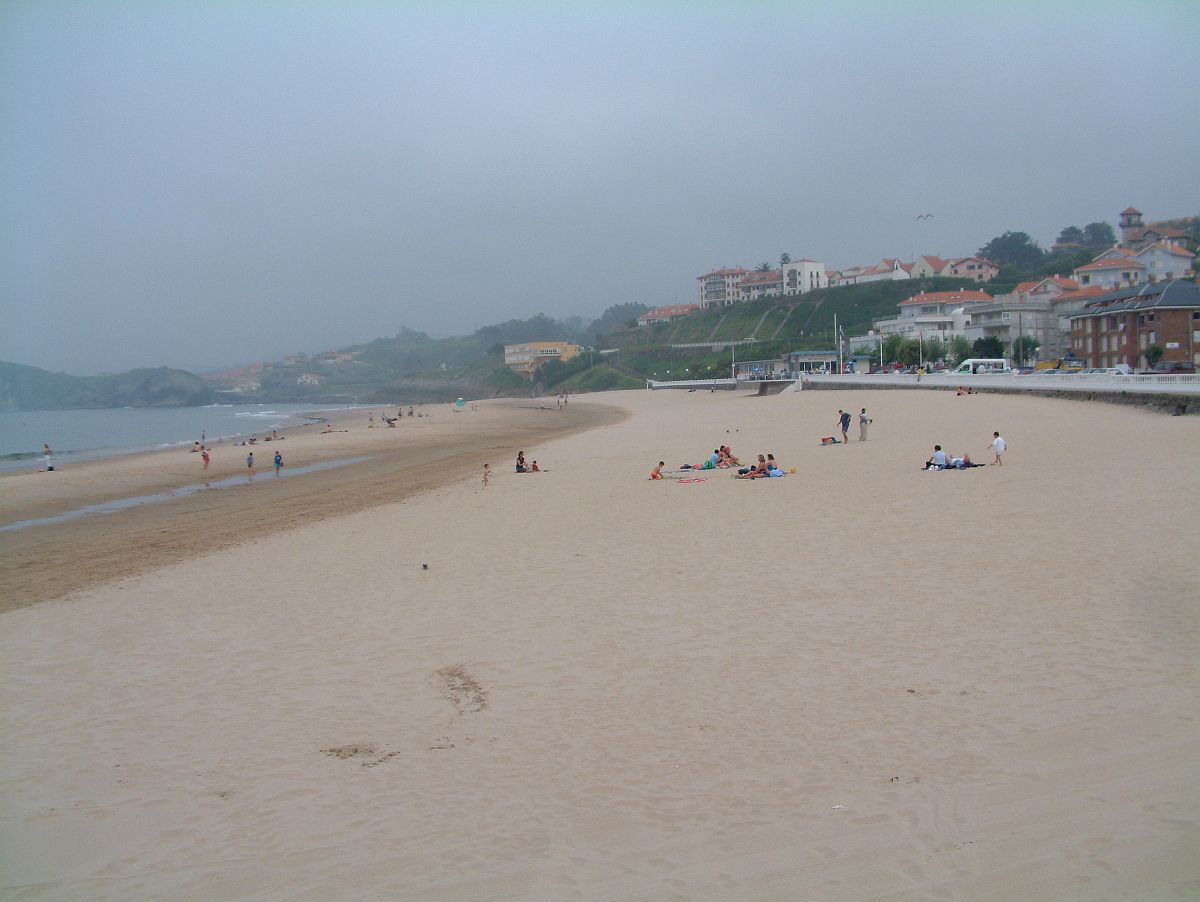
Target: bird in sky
x=925, y=216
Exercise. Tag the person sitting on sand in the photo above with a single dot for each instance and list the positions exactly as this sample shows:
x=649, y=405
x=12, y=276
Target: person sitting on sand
x=656, y=473
x=733, y=461
x=521, y=468
x=938, y=461
x=534, y=468
x=758, y=471
x=773, y=468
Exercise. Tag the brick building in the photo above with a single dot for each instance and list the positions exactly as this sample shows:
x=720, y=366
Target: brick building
x=1120, y=326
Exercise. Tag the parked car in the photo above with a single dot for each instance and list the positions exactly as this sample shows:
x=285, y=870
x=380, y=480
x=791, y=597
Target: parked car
x=1173, y=368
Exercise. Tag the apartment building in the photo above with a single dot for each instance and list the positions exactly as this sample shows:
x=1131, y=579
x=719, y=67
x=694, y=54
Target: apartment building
x=719, y=288
x=934, y=314
x=1120, y=326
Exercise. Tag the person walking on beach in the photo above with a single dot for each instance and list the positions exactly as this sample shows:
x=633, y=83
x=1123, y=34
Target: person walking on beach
x=278, y=463
x=250, y=467
x=844, y=424
x=487, y=471
x=863, y=422
x=206, y=457
x=998, y=445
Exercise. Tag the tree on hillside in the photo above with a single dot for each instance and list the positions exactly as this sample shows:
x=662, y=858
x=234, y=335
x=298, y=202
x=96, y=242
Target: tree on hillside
x=1025, y=348
x=990, y=347
x=1070, y=235
x=763, y=267
x=613, y=318
x=1099, y=234
x=1016, y=248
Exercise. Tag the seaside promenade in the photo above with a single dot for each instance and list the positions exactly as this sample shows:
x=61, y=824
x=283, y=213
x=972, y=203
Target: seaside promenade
x=861, y=681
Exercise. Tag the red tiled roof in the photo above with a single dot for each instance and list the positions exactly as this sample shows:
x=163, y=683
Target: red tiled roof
x=1130, y=210
x=759, y=278
x=1062, y=282
x=937, y=263
x=1165, y=230
x=727, y=271
x=1023, y=287
x=671, y=311
x=964, y=296
x=1169, y=248
x=1110, y=264
x=1081, y=294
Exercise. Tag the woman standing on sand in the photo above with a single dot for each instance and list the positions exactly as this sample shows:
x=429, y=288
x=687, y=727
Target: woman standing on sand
x=206, y=457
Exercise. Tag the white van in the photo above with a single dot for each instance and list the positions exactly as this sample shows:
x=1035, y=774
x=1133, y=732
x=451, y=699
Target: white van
x=979, y=365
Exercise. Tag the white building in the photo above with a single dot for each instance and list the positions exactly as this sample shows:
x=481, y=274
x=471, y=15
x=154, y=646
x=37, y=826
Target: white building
x=1165, y=262
x=803, y=276
x=886, y=270
x=719, y=287
x=1114, y=271
x=934, y=314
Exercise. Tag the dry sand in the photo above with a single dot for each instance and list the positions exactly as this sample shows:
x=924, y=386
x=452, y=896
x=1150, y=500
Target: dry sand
x=861, y=682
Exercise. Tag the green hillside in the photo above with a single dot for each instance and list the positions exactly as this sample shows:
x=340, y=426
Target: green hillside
x=776, y=326
x=30, y=388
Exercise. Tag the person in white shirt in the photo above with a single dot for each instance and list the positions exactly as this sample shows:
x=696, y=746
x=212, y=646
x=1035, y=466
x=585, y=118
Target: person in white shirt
x=998, y=445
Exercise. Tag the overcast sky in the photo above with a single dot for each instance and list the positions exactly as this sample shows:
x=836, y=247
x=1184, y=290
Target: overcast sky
x=205, y=184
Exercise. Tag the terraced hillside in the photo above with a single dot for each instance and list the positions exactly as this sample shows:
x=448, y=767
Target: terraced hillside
x=776, y=325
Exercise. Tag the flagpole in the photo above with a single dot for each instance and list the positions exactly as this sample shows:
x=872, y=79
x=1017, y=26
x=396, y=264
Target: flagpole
x=837, y=336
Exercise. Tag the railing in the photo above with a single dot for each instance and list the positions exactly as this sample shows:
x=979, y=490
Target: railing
x=653, y=384
x=1188, y=384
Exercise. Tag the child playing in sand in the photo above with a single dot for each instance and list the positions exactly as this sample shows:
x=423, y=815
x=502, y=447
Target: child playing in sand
x=656, y=473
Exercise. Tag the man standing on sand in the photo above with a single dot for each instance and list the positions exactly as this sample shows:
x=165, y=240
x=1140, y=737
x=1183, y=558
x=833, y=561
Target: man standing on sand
x=999, y=445
x=844, y=425
x=863, y=422
x=250, y=466
x=278, y=463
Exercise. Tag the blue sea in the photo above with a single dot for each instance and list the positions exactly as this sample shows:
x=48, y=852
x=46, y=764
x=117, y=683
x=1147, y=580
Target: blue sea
x=76, y=435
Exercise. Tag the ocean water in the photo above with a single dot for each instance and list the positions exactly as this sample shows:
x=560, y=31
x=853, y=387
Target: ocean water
x=76, y=435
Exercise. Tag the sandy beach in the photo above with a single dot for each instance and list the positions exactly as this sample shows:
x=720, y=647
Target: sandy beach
x=861, y=681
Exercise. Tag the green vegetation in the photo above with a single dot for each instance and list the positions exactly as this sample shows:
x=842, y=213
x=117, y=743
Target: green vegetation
x=30, y=388
x=1154, y=354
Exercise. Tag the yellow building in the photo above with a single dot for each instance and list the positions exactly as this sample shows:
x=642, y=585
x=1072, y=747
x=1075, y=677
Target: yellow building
x=526, y=357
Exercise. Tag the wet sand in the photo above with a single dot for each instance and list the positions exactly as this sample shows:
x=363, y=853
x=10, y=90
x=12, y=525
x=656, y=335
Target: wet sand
x=42, y=563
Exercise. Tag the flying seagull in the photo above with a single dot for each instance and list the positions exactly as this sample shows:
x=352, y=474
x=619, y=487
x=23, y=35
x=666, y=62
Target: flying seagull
x=925, y=216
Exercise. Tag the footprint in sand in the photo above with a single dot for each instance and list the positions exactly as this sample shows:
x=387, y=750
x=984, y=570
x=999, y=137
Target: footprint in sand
x=461, y=689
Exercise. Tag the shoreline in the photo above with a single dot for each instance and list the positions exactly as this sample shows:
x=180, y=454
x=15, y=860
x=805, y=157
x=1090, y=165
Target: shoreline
x=24, y=462
x=43, y=562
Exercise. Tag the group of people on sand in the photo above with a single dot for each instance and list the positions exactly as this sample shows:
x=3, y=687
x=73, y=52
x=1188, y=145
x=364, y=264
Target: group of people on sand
x=942, y=460
x=523, y=467
x=277, y=462
x=844, y=418
x=765, y=468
